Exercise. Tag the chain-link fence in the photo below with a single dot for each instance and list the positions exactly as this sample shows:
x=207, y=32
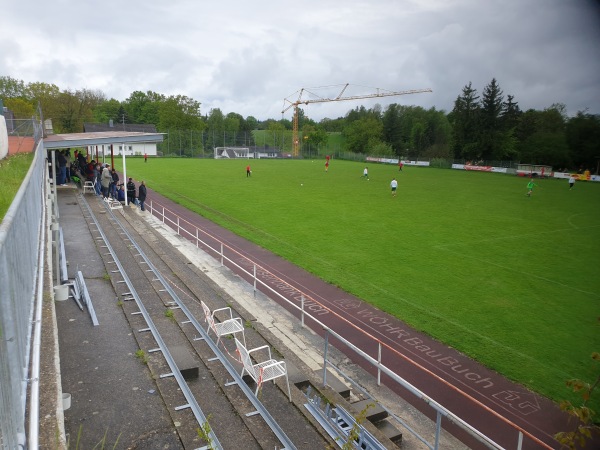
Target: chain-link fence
x=20, y=247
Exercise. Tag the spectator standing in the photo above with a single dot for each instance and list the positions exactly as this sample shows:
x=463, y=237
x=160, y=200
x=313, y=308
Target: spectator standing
x=82, y=164
x=61, y=163
x=130, y=191
x=98, y=178
x=115, y=182
x=106, y=180
x=142, y=195
x=68, y=166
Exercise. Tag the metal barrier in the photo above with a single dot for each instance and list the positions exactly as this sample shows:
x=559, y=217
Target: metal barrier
x=340, y=425
x=64, y=276
x=22, y=249
x=200, y=237
x=81, y=293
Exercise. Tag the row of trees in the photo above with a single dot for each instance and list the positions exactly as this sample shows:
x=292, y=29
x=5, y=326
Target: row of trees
x=487, y=127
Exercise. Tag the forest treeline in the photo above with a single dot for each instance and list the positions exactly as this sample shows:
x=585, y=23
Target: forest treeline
x=481, y=127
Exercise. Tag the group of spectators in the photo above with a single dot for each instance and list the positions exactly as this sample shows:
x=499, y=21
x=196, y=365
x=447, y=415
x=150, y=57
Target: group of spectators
x=105, y=179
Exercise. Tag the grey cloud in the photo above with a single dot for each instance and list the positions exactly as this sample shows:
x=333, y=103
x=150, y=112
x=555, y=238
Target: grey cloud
x=245, y=58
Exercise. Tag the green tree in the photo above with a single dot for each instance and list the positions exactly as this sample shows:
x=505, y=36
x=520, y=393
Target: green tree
x=215, y=128
x=46, y=96
x=359, y=133
x=75, y=108
x=418, y=138
x=12, y=88
x=251, y=123
x=512, y=114
x=180, y=113
x=490, y=131
x=143, y=107
x=464, y=119
x=583, y=138
x=313, y=137
x=333, y=125
x=392, y=131
x=440, y=132
x=380, y=148
x=22, y=109
x=542, y=139
x=108, y=110
x=275, y=133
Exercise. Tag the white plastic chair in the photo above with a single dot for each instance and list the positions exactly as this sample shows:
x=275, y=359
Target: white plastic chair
x=228, y=326
x=267, y=370
x=114, y=204
x=89, y=186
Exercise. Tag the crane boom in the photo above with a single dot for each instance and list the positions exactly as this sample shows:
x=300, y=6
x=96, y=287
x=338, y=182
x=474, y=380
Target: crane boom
x=338, y=98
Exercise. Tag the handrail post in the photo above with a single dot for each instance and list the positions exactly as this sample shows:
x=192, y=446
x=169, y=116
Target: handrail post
x=325, y=357
x=520, y=444
x=302, y=310
x=163, y=214
x=222, y=254
x=197, y=238
x=379, y=363
x=254, y=280
x=438, y=430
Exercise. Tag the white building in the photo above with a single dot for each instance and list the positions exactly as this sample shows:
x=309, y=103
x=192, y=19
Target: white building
x=131, y=149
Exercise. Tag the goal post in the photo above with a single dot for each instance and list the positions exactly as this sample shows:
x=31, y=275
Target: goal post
x=232, y=153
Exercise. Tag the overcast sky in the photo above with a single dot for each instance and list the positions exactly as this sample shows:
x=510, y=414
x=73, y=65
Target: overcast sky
x=247, y=57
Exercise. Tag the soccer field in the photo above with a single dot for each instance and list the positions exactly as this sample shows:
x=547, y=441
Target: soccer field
x=467, y=257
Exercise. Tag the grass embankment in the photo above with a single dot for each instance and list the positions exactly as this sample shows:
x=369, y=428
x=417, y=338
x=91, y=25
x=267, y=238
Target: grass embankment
x=12, y=172
x=509, y=280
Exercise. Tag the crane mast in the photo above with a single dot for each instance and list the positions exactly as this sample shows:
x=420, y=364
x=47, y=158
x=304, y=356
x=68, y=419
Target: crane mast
x=339, y=98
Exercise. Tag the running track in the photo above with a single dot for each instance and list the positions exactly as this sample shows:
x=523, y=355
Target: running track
x=404, y=347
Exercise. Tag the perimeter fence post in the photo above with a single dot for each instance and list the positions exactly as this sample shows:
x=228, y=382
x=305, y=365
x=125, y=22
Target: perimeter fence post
x=520, y=444
x=163, y=214
x=197, y=239
x=178, y=228
x=325, y=357
x=221, y=254
x=302, y=309
x=255, y=280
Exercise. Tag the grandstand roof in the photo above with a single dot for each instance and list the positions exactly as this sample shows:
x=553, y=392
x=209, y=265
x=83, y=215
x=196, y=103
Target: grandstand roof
x=99, y=138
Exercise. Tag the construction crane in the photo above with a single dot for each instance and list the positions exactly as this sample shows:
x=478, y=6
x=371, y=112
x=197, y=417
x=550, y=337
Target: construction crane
x=299, y=101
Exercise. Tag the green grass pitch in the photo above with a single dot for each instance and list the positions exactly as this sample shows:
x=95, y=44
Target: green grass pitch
x=467, y=257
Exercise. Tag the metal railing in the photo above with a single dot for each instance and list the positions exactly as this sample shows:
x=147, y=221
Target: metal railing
x=200, y=237
x=22, y=250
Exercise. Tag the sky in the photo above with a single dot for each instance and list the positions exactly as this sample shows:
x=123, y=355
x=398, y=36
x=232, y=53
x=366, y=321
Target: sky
x=253, y=58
